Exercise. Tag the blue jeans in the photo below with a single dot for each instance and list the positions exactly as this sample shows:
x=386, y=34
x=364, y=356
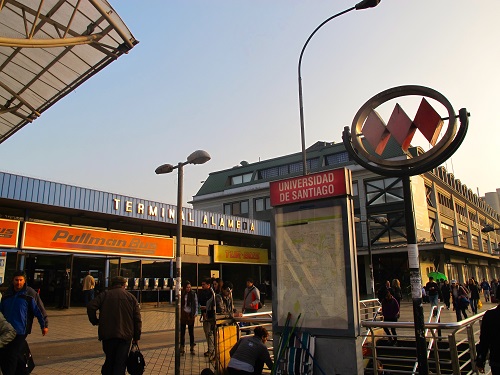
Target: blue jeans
x=88, y=296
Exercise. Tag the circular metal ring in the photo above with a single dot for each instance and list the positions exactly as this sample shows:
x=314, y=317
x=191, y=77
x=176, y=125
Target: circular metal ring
x=421, y=160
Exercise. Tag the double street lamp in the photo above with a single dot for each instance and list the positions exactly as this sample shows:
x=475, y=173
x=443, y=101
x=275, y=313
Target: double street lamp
x=379, y=220
x=197, y=157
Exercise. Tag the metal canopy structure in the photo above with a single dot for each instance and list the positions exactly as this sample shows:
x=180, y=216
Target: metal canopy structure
x=50, y=47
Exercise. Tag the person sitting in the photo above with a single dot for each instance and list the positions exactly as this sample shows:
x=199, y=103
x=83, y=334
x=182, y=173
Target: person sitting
x=249, y=354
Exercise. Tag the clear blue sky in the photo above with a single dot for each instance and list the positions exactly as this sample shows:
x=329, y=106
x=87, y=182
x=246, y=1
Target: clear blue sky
x=222, y=76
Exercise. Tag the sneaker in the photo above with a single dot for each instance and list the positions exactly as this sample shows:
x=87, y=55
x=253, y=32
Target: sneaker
x=206, y=354
x=182, y=350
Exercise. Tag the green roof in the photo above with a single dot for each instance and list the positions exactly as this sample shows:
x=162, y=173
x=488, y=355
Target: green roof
x=221, y=180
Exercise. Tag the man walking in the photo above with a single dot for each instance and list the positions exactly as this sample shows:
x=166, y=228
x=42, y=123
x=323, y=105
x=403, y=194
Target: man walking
x=432, y=290
x=204, y=295
x=488, y=341
x=20, y=304
x=251, y=298
x=88, y=288
x=486, y=288
x=119, y=323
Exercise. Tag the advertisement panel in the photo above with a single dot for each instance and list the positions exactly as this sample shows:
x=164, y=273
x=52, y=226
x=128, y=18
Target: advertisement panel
x=62, y=238
x=238, y=254
x=9, y=233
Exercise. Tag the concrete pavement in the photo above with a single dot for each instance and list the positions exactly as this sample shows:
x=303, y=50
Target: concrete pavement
x=71, y=347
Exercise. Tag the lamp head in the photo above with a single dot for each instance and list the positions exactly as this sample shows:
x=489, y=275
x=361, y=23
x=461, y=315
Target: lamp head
x=165, y=168
x=198, y=157
x=367, y=4
x=487, y=228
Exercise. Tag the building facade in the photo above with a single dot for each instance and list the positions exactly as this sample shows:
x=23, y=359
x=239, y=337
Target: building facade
x=57, y=232
x=449, y=216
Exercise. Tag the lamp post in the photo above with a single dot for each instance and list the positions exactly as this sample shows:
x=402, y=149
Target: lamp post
x=197, y=157
x=359, y=6
x=378, y=220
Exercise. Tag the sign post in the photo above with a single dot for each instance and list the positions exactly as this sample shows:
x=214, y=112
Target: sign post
x=314, y=266
x=369, y=129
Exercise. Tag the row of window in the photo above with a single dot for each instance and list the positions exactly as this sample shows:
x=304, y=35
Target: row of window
x=291, y=168
x=242, y=207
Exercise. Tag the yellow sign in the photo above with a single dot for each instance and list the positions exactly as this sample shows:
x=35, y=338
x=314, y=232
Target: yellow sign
x=61, y=238
x=237, y=254
x=9, y=232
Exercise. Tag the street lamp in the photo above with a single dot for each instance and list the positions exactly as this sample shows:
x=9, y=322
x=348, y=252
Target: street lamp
x=197, y=157
x=379, y=220
x=359, y=6
x=489, y=228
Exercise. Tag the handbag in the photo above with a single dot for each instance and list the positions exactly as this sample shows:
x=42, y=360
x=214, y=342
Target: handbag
x=25, y=363
x=479, y=304
x=135, y=361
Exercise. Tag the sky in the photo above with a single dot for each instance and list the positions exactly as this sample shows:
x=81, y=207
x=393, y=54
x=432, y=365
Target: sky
x=221, y=76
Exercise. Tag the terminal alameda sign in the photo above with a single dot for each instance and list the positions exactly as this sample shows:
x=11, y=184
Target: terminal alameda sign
x=311, y=187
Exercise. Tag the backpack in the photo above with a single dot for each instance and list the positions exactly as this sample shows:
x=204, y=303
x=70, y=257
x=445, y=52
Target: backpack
x=135, y=361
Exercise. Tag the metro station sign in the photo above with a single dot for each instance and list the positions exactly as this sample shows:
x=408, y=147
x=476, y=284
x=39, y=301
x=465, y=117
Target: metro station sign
x=321, y=185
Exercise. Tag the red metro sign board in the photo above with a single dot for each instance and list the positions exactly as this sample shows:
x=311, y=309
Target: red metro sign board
x=311, y=187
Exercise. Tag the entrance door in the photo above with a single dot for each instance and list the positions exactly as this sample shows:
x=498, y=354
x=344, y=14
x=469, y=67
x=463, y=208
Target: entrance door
x=82, y=265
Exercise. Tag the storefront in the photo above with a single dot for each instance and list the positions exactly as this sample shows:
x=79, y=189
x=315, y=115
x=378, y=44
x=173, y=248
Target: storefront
x=57, y=233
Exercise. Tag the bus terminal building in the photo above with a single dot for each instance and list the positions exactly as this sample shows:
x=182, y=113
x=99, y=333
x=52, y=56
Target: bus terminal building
x=57, y=232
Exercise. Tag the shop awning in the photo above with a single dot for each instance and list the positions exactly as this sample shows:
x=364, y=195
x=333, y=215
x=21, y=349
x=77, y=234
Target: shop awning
x=50, y=47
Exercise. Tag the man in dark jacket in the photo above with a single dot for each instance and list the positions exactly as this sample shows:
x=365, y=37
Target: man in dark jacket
x=20, y=304
x=489, y=340
x=119, y=323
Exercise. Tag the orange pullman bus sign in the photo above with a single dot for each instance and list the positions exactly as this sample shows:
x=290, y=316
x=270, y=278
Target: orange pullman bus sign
x=82, y=240
x=9, y=232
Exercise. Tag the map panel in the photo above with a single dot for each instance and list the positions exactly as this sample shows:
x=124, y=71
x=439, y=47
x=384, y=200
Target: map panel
x=310, y=265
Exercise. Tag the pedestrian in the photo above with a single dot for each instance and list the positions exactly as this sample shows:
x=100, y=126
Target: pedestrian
x=7, y=333
x=251, y=298
x=432, y=290
x=250, y=353
x=396, y=288
x=217, y=284
x=223, y=303
x=446, y=293
x=390, y=312
x=459, y=298
x=19, y=305
x=204, y=295
x=189, y=312
x=494, y=286
x=488, y=340
x=119, y=324
x=88, y=288
x=383, y=289
x=486, y=288
x=474, y=295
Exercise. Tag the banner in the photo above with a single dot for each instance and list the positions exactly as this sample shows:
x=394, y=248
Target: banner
x=238, y=254
x=9, y=233
x=63, y=238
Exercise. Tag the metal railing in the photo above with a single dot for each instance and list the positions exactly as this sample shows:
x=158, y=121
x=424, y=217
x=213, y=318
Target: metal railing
x=451, y=347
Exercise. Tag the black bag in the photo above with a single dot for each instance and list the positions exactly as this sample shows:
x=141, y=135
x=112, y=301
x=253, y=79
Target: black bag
x=135, y=361
x=25, y=363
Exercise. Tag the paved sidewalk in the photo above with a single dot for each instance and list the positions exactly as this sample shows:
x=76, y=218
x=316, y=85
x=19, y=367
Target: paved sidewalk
x=71, y=347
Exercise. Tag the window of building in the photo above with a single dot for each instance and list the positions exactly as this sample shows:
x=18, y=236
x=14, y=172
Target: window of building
x=241, y=178
x=236, y=208
x=338, y=158
x=262, y=204
x=387, y=190
x=286, y=169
